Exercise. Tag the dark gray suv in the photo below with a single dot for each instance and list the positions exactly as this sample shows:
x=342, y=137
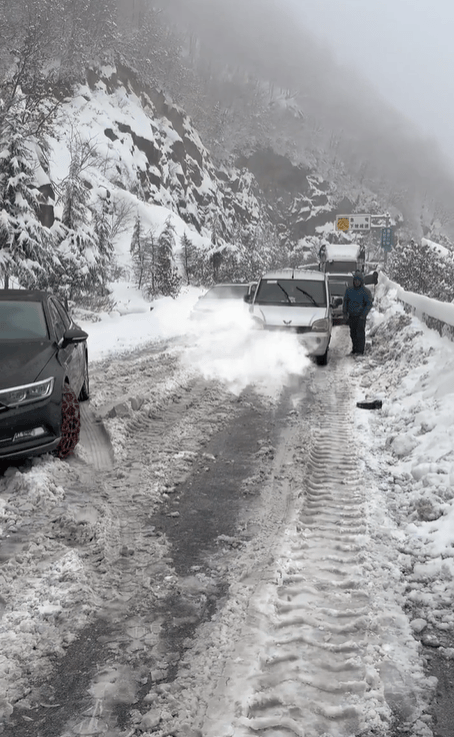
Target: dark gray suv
x=43, y=375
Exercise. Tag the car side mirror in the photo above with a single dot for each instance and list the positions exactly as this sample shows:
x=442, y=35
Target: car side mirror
x=371, y=278
x=247, y=298
x=336, y=301
x=73, y=335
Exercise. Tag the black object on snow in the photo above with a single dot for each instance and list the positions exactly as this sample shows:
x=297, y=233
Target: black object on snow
x=376, y=404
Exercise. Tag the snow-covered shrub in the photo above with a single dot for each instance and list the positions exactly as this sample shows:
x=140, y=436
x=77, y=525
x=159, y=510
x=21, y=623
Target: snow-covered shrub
x=419, y=268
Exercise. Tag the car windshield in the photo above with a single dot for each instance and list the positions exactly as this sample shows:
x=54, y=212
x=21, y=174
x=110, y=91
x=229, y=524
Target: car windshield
x=22, y=320
x=291, y=291
x=229, y=291
x=340, y=267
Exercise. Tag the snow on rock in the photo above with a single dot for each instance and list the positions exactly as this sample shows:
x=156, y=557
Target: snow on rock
x=144, y=138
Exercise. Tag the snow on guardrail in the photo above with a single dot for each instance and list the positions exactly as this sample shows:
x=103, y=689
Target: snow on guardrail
x=423, y=307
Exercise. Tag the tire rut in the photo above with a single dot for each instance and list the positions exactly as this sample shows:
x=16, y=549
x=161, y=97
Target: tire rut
x=317, y=667
x=287, y=628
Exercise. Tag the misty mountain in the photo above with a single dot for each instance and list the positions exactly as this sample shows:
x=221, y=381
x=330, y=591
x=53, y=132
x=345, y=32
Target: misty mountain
x=308, y=107
x=225, y=125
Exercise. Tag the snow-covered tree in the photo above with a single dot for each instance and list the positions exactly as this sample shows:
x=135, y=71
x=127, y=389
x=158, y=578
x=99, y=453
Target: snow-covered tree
x=5, y=254
x=167, y=279
x=195, y=263
x=26, y=242
x=143, y=251
x=77, y=247
x=84, y=247
x=420, y=268
x=254, y=254
x=103, y=213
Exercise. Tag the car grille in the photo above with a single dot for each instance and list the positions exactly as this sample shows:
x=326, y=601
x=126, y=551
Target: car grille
x=292, y=328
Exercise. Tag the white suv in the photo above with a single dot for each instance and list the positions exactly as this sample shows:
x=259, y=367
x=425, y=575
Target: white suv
x=299, y=301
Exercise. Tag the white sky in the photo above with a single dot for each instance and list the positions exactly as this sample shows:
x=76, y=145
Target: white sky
x=404, y=47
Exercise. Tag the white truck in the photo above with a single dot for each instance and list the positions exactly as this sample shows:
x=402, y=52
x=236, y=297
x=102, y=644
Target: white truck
x=341, y=258
x=339, y=261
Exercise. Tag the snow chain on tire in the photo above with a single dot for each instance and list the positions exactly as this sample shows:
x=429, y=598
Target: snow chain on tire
x=70, y=425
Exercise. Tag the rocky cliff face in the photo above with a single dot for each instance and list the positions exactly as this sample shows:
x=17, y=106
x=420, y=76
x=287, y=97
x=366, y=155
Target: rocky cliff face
x=174, y=169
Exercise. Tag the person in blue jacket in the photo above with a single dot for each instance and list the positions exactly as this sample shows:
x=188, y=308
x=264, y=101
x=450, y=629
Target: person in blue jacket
x=357, y=305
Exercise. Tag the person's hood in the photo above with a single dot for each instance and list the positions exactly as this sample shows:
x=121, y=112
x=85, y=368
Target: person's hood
x=359, y=276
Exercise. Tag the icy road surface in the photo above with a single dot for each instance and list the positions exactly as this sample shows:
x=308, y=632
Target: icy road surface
x=221, y=568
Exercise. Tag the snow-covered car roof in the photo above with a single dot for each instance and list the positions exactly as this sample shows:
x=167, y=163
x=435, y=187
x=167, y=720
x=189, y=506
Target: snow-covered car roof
x=342, y=251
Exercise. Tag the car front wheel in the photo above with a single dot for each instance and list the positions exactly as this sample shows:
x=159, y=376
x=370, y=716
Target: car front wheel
x=70, y=425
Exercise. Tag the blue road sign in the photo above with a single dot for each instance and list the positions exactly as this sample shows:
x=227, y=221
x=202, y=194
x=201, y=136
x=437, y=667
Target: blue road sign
x=386, y=238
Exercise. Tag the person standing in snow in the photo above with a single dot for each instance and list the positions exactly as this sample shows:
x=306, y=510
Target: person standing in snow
x=357, y=305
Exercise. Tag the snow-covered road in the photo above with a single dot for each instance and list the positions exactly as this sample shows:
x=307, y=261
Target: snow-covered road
x=227, y=558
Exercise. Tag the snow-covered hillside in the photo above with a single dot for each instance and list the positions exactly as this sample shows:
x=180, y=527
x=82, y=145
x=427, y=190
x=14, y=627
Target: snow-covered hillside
x=119, y=151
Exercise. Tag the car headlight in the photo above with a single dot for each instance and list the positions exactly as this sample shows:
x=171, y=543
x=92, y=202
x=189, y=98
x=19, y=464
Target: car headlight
x=321, y=326
x=19, y=395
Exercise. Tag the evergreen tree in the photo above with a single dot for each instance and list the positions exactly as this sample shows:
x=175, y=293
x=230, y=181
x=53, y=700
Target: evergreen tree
x=187, y=256
x=195, y=264
x=167, y=280
x=216, y=255
x=251, y=257
x=5, y=254
x=136, y=236
x=103, y=231
x=77, y=247
x=84, y=258
x=143, y=250
x=26, y=241
x=88, y=32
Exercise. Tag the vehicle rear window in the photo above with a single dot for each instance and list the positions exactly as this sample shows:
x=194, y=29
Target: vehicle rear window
x=337, y=288
x=291, y=291
x=234, y=291
x=22, y=320
x=340, y=267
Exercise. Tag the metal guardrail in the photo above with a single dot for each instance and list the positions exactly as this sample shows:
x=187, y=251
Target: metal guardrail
x=435, y=314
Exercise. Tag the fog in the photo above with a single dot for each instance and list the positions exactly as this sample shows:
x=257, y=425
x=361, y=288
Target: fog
x=403, y=47
x=327, y=56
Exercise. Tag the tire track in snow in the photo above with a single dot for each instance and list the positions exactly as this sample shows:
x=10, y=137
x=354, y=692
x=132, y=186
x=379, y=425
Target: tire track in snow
x=312, y=672
x=326, y=662
x=95, y=440
x=103, y=519
x=128, y=563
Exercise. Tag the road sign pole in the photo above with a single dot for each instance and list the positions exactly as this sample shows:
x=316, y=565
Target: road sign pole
x=385, y=260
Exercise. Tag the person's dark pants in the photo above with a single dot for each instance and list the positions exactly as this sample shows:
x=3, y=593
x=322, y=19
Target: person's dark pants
x=357, y=333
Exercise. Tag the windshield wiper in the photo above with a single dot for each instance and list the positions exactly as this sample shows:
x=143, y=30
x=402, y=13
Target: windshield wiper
x=307, y=295
x=286, y=294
